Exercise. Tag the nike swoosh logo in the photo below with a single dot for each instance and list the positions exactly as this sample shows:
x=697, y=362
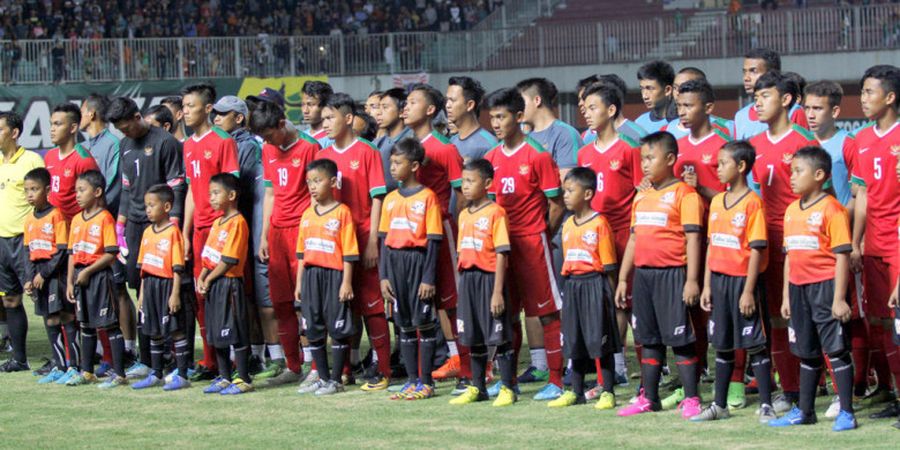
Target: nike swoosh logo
x=372, y=305
x=863, y=150
x=496, y=167
x=258, y=177
x=541, y=305
x=587, y=165
x=272, y=161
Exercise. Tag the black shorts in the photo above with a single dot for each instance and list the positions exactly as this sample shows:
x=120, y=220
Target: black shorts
x=589, y=326
x=95, y=304
x=812, y=330
x=659, y=315
x=324, y=313
x=12, y=265
x=404, y=270
x=227, y=321
x=156, y=320
x=51, y=299
x=728, y=328
x=474, y=321
x=134, y=233
x=896, y=326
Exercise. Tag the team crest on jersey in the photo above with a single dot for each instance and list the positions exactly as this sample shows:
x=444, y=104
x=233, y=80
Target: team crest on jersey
x=418, y=207
x=590, y=238
x=615, y=164
x=787, y=158
x=148, y=150
x=354, y=164
x=163, y=245
x=668, y=198
x=223, y=235
x=304, y=223
x=46, y=228
x=333, y=225
x=739, y=220
x=76, y=230
x=707, y=158
x=482, y=224
x=94, y=230
x=207, y=154
x=67, y=173
x=296, y=162
x=523, y=169
x=815, y=219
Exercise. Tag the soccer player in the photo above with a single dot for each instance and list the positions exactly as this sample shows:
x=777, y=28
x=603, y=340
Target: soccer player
x=697, y=160
x=89, y=285
x=483, y=306
x=160, y=116
x=589, y=315
x=675, y=127
x=327, y=249
x=411, y=232
x=732, y=291
x=360, y=187
x=373, y=109
x=624, y=126
x=817, y=263
x=464, y=97
x=364, y=125
x=222, y=286
x=528, y=189
x=16, y=162
x=775, y=95
x=161, y=262
x=286, y=153
x=315, y=96
x=175, y=105
x=392, y=129
x=747, y=122
x=655, y=79
x=875, y=219
x=822, y=105
x=68, y=160
x=665, y=249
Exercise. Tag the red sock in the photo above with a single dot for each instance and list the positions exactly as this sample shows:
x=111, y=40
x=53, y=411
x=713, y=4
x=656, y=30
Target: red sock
x=786, y=364
x=877, y=357
x=859, y=344
x=699, y=320
x=104, y=342
x=740, y=365
x=553, y=345
x=289, y=334
x=380, y=338
x=599, y=375
x=209, y=353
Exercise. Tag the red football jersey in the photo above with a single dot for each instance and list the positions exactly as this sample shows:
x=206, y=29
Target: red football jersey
x=874, y=168
x=523, y=180
x=360, y=178
x=442, y=171
x=319, y=135
x=204, y=156
x=702, y=157
x=63, y=174
x=618, y=170
x=284, y=170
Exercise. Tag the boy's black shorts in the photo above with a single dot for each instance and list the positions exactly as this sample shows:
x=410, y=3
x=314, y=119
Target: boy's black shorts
x=897, y=326
x=404, y=270
x=728, y=328
x=95, y=304
x=155, y=317
x=474, y=321
x=227, y=321
x=659, y=315
x=324, y=313
x=134, y=233
x=52, y=298
x=812, y=330
x=12, y=265
x=589, y=317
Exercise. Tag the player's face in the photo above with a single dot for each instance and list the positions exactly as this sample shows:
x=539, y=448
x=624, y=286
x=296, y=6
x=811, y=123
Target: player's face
x=727, y=169
x=194, y=110
x=769, y=104
x=373, y=104
x=531, y=108
x=652, y=93
x=62, y=128
x=597, y=113
x=85, y=194
x=753, y=69
x=359, y=125
x=581, y=102
x=401, y=168
x=176, y=111
x=874, y=99
x=803, y=177
x=456, y=104
x=504, y=123
x=156, y=209
x=36, y=193
x=417, y=109
x=575, y=196
x=680, y=79
x=474, y=186
x=229, y=121
x=320, y=185
x=312, y=110
x=334, y=123
x=275, y=136
x=8, y=136
x=134, y=127
x=389, y=113
x=691, y=109
x=219, y=197
x=819, y=113
x=656, y=163
x=85, y=116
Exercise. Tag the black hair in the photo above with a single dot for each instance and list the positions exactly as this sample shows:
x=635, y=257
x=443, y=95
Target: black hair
x=396, y=94
x=700, y=87
x=121, y=108
x=161, y=114
x=433, y=95
x=472, y=90
x=888, y=76
x=174, y=100
x=95, y=179
x=829, y=89
x=375, y=94
x=693, y=71
x=584, y=177
x=663, y=140
x=39, y=175
x=206, y=92
x=608, y=93
x=801, y=82
x=817, y=157
x=770, y=57
x=227, y=181
x=781, y=83
x=409, y=148
x=484, y=167
x=585, y=82
x=267, y=115
x=98, y=103
x=539, y=87
x=741, y=151
x=13, y=120
x=341, y=102
x=252, y=102
x=615, y=80
x=319, y=89
x=326, y=166
x=659, y=71
x=164, y=192
x=371, y=129
x=73, y=111
x=508, y=98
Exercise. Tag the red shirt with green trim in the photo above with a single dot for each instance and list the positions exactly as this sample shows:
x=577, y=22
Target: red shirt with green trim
x=284, y=170
x=360, y=179
x=64, y=173
x=874, y=168
x=442, y=171
x=702, y=157
x=204, y=156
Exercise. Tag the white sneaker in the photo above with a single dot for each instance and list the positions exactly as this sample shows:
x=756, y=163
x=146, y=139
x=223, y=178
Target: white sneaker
x=311, y=387
x=781, y=404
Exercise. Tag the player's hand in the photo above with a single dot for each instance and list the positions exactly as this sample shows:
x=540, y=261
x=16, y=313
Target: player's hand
x=691, y=293
x=387, y=291
x=894, y=299
x=856, y=265
x=840, y=310
x=621, y=296
x=747, y=304
x=706, y=299
x=38, y=282
x=83, y=278
x=70, y=292
x=174, y=304
x=264, y=249
x=786, y=308
x=690, y=178
x=297, y=293
x=345, y=294
x=28, y=288
x=370, y=254
x=202, y=287
x=497, y=305
x=121, y=242
x=426, y=292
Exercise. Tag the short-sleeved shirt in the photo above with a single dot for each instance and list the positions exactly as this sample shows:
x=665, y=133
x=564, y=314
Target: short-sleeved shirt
x=475, y=145
x=162, y=252
x=812, y=236
x=12, y=190
x=483, y=233
x=747, y=124
x=63, y=174
x=588, y=247
x=627, y=128
x=652, y=123
x=702, y=156
x=618, y=168
x=205, y=156
x=733, y=231
x=875, y=165
x=842, y=149
x=660, y=219
x=409, y=221
x=91, y=237
x=227, y=242
x=561, y=140
x=385, y=144
x=675, y=128
x=104, y=147
x=442, y=171
x=46, y=233
x=284, y=170
x=524, y=178
x=360, y=179
x=327, y=239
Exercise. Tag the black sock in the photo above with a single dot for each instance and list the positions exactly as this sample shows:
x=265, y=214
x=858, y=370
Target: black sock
x=224, y=362
x=340, y=351
x=687, y=363
x=242, y=361
x=72, y=336
x=143, y=344
x=608, y=372
x=651, y=370
x=724, y=369
x=182, y=357
x=157, y=347
x=190, y=327
x=479, y=358
x=580, y=366
x=409, y=352
x=89, y=349
x=843, y=378
x=54, y=335
x=17, y=321
x=810, y=371
x=320, y=356
x=762, y=371
x=117, y=345
x=505, y=359
x=428, y=342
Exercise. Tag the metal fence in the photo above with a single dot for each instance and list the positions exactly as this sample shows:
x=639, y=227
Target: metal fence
x=701, y=35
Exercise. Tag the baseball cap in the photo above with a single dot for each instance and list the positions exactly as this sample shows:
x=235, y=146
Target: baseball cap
x=230, y=103
x=269, y=95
